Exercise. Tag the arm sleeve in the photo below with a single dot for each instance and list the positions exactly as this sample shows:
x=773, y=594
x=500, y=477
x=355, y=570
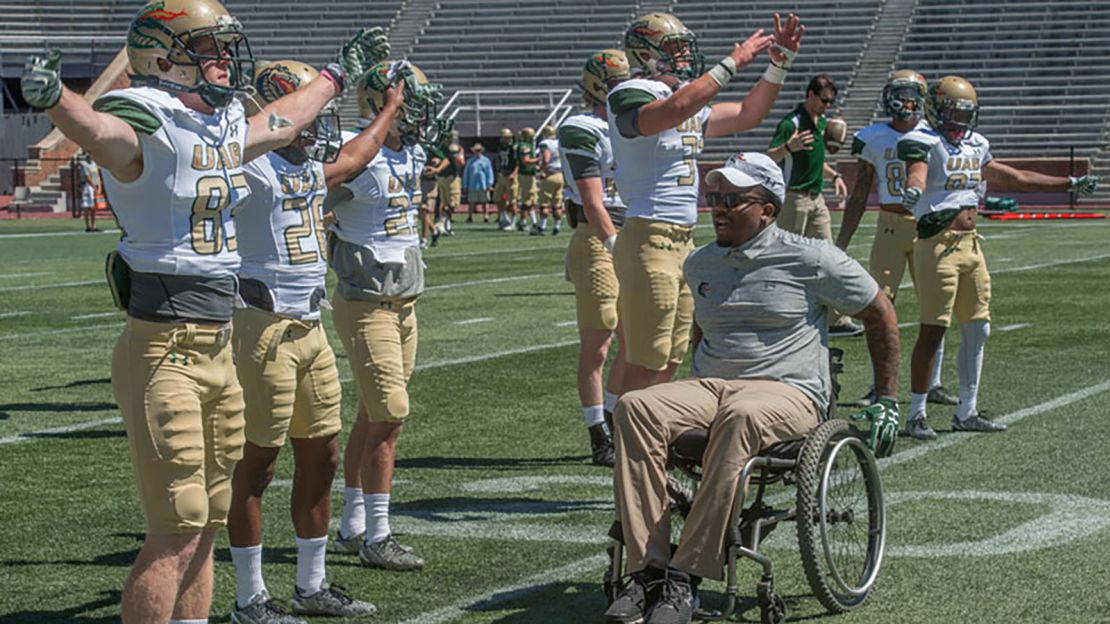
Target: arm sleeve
x=783, y=133
x=843, y=283
x=860, y=151
x=134, y=114
x=583, y=167
x=909, y=149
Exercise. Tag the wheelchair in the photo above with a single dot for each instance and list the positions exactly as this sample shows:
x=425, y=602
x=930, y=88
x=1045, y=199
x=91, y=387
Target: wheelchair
x=837, y=510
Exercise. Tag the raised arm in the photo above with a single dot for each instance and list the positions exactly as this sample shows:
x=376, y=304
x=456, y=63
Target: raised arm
x=857, y=203
x=110, y=141
x=358, y=152
x=727, y=118
x=283, y=120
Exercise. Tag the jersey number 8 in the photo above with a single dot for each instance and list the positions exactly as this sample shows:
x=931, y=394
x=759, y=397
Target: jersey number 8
x=213, y=197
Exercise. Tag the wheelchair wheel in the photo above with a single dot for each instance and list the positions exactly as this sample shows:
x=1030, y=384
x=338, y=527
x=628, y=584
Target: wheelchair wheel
x=841, y=520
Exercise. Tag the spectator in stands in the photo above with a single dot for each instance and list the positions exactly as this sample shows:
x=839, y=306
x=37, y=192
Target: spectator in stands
x=478, y=181
x=759, y=377
x=799, y=143
x=91, y=189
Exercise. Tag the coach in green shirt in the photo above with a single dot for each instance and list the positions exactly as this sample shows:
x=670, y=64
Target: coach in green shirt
x=799, y=145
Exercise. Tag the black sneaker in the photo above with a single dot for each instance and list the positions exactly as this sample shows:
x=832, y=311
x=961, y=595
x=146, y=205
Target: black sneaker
x=630, y=604
x=941, y=396
x=677, y=600
x=601, y=446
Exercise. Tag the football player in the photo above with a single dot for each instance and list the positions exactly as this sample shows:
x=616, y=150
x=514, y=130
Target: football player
x=284, y=363
x=594, y=211
x=947, y=162
x=429, y=191
x=172, y=149
x=876, y=147
x=527, y=167
x=380, y=273
x=551, y=186
x=448, y=174
x=505, y=189
x=658, y=121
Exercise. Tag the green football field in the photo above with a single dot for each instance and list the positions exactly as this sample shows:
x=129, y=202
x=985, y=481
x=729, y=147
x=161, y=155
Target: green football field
x=494, y=487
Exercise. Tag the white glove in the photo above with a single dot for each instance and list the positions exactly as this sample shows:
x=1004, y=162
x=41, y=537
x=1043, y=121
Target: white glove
x=910, y=197
x=1084, y=186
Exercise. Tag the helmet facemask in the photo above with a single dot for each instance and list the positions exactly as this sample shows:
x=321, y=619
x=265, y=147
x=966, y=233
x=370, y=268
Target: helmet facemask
x=955, y=119
x=676, y=53
x=898, y=98
x=323, y=136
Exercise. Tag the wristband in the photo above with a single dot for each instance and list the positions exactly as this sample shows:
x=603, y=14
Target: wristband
x=775, y=74
x=334, y=73
x=610, y=242
x=723, y=72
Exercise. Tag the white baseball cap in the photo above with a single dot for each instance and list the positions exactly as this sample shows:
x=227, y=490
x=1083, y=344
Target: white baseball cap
x=751, y=169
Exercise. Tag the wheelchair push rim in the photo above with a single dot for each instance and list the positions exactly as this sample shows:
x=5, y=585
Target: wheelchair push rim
x=875, y=539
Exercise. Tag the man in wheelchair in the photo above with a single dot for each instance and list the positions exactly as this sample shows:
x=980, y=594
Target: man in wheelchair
x=760, y=376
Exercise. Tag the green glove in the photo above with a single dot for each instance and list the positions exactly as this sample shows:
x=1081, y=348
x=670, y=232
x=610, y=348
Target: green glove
x=883, y=420
x=1085, y=185
x=366, y=49
x=42, y=80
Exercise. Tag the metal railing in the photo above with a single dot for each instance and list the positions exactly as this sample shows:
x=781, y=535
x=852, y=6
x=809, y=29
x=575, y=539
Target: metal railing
x=491, y=101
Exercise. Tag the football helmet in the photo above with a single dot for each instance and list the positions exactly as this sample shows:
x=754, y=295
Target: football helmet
x=416, y=120
x=952, y=108
x=184, y=35
x=528, y=135
x=547, y=132
x=905, y=87
x=507, y=137
x=659, y=43
x=604, y=70
x=321, y=141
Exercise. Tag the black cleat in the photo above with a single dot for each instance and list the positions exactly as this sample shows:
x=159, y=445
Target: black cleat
x=601, y=445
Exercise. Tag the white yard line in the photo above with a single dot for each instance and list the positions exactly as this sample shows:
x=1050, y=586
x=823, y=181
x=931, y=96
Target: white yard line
x=45, y=433
x=492, y=280
x=52, y=234
x=492, y=252
x=55, y=332
x=473, y=321
x=1014, y=327
x=45, y=286
x=511, y=592
x=566, y=323
x=81, y=317
x=471, y=359
x=14, y=314
x=18, y=275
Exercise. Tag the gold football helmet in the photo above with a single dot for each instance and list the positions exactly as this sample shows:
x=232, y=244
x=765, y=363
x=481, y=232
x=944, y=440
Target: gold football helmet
x=904, y=88
x=275, y=80
x=547, y=132
x=659, y=43
x=417, y=118
x=604, y=70
x=528, y=135
x=952, y=108
x=507, y=137
x=169, y=41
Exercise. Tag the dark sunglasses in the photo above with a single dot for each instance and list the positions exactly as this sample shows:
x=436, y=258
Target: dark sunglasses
x=731, y=200
x=828, y=101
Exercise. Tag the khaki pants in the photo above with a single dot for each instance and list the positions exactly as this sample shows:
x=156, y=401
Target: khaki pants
x=806, y=215
x=656, y=307
x=289, y=378
x=589, y=266
x=892, y=251
x=528, y=191
x=743, y=417
x=551, y=190
x=952, y=277
x=505, y=191
x=449, y=189
x=380, y=339
x=183, y=410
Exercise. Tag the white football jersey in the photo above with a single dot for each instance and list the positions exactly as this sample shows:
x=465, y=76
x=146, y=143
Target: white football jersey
x=555, y=164
x=955, y=172
x=382, y=214
x=177, y=217
x=877, y=145
x=658, y=175
x=281, y=232
x=587, y=135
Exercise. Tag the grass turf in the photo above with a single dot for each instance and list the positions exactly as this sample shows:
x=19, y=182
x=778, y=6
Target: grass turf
x=495, y=489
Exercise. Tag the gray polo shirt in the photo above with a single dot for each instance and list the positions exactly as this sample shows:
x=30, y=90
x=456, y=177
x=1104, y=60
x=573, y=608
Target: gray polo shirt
x=763, y=308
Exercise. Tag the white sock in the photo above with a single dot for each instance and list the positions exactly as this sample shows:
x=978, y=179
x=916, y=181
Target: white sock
x=934, y=381
x=204, y=621
x=310, y=564
x=557, y=222
x=917, y=404
x=543, y=223
x=593, y=415
x=248, y=573
x=611, y=401
x=353, y=520
x=377, y=517
x=969, y=364
x=532, y=217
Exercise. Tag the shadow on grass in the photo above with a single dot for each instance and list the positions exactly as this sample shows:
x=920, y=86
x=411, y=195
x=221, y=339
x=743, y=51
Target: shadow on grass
x=494, y=463
x=124, y=558
x=74, y=384
x=73, y=615
x=61, y=408
x=85, y=434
